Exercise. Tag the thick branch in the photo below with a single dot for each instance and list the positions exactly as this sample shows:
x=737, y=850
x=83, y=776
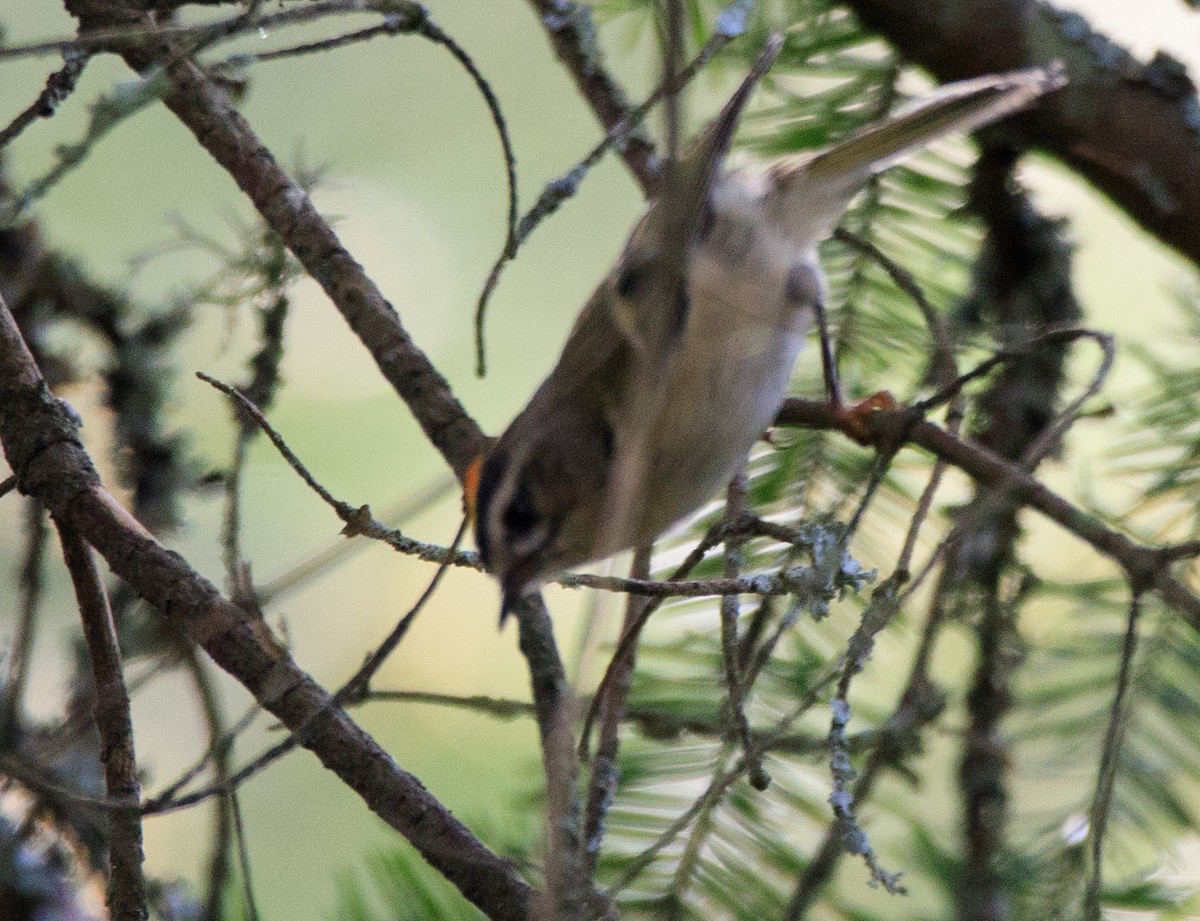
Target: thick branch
x=42, y=446
x=1128, y=128
x=126, y=884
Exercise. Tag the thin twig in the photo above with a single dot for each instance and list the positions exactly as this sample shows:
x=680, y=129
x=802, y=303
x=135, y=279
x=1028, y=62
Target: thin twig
x=511, y=241
x=654, y=721
x=730, y=609
x=721, y=782
x=171, y=791
x=918, y=704
x=219, y=751
x=877, y=615
x=396, y=516
x=573, y=35
x=126, y=895
x=702, y=819
x=1107, y=775
x=602, y=786
x=59, y=85
x=717, y=787
x=263, y=384
x=32, y=582
x=499, y=707
x=569, y=889
x=629, y=638
x=1035, y=451
x=943, y=345
x=99, y=38
x=243, y=852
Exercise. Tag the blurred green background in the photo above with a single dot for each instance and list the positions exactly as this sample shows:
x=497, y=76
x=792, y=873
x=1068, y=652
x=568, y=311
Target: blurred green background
x=411, y=166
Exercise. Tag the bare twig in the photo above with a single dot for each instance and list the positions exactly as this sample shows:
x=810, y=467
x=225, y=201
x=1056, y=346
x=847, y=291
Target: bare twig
x=243, y=851
x=653, y=720
x=209, y=113
x=919, y=704
x=262, y=386
x=982, y=785
x=355, y=688
x=107, y=37
x=499, y=707
x=730, y=609
x=170, y=793
x=1107, y=775
x=569, y=888
x=219, y=751
x=59, y=85
x=126, y=884
x=602, y=785
x=573, y=34
x=629, y=638
x=722, y=781
x=32, y=583
x=511, y=241
x=877, y=615
x=943, y=346
x=420, y=501
x=359, y=521
x=1032, y=454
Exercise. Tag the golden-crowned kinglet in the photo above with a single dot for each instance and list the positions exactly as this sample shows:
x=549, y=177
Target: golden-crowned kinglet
x=681, y=358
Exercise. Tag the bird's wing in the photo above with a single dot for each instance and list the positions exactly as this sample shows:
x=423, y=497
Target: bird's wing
x=650, y=306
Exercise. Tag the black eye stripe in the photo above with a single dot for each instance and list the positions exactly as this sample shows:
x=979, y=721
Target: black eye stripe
x=521, y=514
x=628, y=280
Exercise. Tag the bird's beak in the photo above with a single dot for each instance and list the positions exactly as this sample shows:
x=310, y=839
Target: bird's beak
x=513, y=589
x=516, y=585
x=508, y=601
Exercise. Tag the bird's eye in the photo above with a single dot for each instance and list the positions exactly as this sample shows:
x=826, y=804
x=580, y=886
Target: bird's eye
x=628, y=281
x=520, y=516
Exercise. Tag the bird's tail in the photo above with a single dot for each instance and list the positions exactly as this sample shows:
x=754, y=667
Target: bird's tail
x=810, y=192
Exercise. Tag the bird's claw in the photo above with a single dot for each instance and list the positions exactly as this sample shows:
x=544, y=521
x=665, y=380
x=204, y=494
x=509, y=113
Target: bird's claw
x=853, y=419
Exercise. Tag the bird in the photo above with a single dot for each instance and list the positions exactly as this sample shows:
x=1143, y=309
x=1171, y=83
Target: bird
x=681, y=358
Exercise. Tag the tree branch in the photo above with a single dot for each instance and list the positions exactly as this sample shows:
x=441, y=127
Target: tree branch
x=41, y=442
x=126, y=885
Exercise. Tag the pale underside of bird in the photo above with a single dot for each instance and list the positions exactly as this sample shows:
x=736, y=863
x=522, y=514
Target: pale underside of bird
x=681, y=358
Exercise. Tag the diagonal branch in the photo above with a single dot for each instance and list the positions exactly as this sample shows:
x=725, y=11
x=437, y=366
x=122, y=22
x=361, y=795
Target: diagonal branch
x=41, y=442
x=572, y=32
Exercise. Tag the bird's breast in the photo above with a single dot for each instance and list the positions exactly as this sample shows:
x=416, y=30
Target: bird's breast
x=746, y=324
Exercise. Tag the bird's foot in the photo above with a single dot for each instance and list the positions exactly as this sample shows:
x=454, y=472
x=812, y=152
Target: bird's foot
x=853, y=419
